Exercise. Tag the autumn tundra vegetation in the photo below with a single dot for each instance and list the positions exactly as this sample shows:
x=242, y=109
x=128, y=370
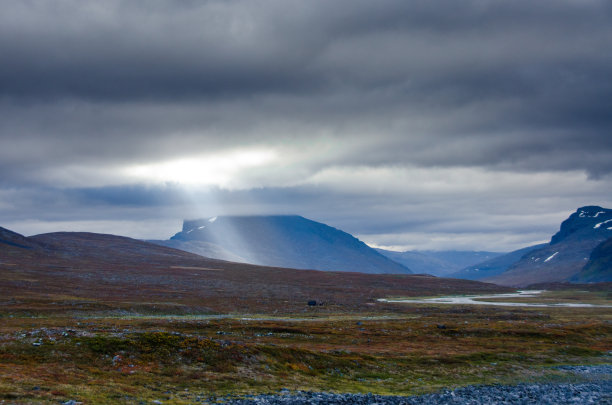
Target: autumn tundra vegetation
x=103, y=319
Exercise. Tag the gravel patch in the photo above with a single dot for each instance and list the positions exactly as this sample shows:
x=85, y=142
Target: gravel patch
x=554, y=394
x=598, y=390
x=603, y=371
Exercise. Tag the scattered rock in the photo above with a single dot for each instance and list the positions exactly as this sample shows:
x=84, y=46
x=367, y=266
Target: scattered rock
x=599, y=392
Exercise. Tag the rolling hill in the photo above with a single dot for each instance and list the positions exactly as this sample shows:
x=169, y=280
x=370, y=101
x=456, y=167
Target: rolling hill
x=85, y=272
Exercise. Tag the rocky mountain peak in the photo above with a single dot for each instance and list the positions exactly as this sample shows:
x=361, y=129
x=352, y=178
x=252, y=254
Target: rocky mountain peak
x=585, y=222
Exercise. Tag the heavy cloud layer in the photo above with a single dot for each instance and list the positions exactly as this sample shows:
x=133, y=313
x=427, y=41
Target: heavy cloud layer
x=369, y=114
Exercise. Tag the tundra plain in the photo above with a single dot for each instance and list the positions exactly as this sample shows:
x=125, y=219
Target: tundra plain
x=103, y=319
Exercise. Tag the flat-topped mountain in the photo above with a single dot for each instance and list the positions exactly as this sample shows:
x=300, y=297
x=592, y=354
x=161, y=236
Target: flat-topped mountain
x=567, y=253
x=282, y=241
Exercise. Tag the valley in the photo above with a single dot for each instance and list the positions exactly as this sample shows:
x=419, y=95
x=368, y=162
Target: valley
x=93, y=318
x=279, y=202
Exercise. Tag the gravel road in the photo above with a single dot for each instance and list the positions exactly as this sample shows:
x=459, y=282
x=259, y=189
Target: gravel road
x=596, y=388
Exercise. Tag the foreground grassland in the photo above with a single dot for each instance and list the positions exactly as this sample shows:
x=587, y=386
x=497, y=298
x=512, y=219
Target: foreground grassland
x=392, y=349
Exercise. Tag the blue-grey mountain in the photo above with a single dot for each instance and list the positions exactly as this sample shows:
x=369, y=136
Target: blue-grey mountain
x=438, y=263
x=494, y=266
x=599, y=266
x=567, y=253
x=282, y=241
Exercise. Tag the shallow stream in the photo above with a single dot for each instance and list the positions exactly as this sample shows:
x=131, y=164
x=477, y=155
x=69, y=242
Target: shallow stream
x=481, y=300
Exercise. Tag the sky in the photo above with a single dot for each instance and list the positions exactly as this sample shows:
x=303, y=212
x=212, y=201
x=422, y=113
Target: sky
x=431, y=125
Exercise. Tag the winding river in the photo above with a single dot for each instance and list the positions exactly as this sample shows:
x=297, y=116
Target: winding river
x=481, y=300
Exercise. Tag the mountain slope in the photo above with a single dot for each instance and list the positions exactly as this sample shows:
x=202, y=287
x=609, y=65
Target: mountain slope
x=202, y=248
x=282, y=241
x=599, y=266
x=11, y=240
x=15, y=247
x=566, y=254
x=438, y=263
x=494, y=266
x=105, y=248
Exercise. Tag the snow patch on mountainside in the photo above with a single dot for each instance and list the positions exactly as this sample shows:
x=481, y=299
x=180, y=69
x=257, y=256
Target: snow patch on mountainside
x=193, y=229
x=601, y=223
x=584, y=214
x=551, y=256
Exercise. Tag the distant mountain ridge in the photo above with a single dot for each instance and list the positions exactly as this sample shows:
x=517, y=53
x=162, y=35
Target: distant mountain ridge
x=494, y=266
x=282, y=241
x=567, y=253
x=438, y=263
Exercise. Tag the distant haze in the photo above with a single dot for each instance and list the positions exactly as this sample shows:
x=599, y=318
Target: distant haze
x=431, y=125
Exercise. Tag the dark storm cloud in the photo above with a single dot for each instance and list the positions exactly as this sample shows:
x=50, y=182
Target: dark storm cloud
x=122, y=51
x=525, y=85
x=90, y=88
